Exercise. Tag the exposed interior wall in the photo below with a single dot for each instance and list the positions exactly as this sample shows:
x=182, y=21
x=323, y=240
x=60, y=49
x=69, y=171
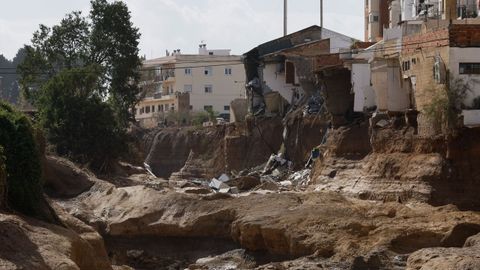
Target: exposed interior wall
x=274, y=79
x=392, y=92
x=379, y=85
x=361, y=82
x=338, y=95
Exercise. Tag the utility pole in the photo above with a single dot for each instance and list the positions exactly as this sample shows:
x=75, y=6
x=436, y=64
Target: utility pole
x=321, y=13
x=285, y=13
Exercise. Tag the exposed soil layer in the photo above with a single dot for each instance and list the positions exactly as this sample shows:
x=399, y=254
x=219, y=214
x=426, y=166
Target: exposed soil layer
x=401, y=166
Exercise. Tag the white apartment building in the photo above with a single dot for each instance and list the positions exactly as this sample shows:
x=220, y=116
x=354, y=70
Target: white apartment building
x=212, y=78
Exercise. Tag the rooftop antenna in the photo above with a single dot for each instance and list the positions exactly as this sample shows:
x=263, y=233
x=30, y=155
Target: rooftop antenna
x=285, y=6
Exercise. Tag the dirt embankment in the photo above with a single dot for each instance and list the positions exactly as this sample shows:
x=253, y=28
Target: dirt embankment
x=208, y=152
x=395, y=164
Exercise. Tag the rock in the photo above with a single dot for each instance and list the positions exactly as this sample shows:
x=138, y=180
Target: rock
x=235, y=259
x=459, y=234
x=63, y=179
x=245, y=183
x=31, y=244
x=445, y=258
x=473, y=241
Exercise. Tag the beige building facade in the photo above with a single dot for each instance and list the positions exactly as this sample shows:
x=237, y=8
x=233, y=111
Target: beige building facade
x=212, y=79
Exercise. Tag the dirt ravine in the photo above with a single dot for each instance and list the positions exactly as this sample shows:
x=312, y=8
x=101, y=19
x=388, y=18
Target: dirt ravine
x=376, y=198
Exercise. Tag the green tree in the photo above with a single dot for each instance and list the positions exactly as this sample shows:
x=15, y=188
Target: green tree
x=83, y=75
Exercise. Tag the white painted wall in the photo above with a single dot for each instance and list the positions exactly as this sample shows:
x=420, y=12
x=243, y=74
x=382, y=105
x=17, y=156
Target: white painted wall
x=395, y=13
x=409, y=9
x=337, y=41
x=364, y=94
x=466, y=55
x=226, y=87
x=471, y=118
x=276, y=81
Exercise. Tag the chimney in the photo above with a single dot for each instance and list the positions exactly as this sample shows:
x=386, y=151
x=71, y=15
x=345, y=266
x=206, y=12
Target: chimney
x=202, y=50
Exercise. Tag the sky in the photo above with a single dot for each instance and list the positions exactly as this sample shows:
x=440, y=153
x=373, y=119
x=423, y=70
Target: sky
x=239, y=25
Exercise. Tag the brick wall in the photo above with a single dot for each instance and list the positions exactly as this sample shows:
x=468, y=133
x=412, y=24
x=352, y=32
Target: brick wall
x=465, y=35
x=420, y=51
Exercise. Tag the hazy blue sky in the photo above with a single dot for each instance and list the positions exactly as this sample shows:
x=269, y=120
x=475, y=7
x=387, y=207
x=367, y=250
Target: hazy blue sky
x=182, y=24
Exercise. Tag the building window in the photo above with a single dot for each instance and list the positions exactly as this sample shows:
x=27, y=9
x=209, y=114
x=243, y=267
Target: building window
x=208, y=89
x=469, y=68
x=210, y=53
x=208, y=71
x=160, y=108
x=406, y=65
x=226, y=108
x=373, y=18
x=228, y=71
x=188, y=71
x=142, y=110
x=172, y=108
x=208, y=108
x=187, y=88
x=190, y=107
x=289, y=73
x=147, y=109
x=153, y=108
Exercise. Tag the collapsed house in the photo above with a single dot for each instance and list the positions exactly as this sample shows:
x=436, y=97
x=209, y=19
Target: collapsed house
x=429, y=53
x=289, y=70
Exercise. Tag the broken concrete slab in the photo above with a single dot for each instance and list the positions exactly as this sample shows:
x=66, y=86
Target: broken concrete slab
x=217, y=184
x=286, y=183
x=224, y=190
x=224, y=178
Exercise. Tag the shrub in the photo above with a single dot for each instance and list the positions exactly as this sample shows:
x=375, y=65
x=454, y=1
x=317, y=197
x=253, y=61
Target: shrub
x=22, y=161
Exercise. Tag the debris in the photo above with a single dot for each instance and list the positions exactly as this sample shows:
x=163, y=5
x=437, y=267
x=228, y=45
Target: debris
x=382, y=123
x=224, y=178
x=224, y=190
x=217, y=184
x=314, y=155
x=286, y=183
x=234, y=190
x=300, y=178
x=314, y=106
x=149, y=169
x=274, y=162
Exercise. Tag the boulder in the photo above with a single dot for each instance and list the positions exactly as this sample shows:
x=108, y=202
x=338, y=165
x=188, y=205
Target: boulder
x=63, y=179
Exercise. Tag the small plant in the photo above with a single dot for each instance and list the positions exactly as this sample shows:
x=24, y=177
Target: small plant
x=447, y=103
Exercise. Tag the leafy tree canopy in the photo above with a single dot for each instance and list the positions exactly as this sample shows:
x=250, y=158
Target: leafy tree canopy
x=82, y=75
